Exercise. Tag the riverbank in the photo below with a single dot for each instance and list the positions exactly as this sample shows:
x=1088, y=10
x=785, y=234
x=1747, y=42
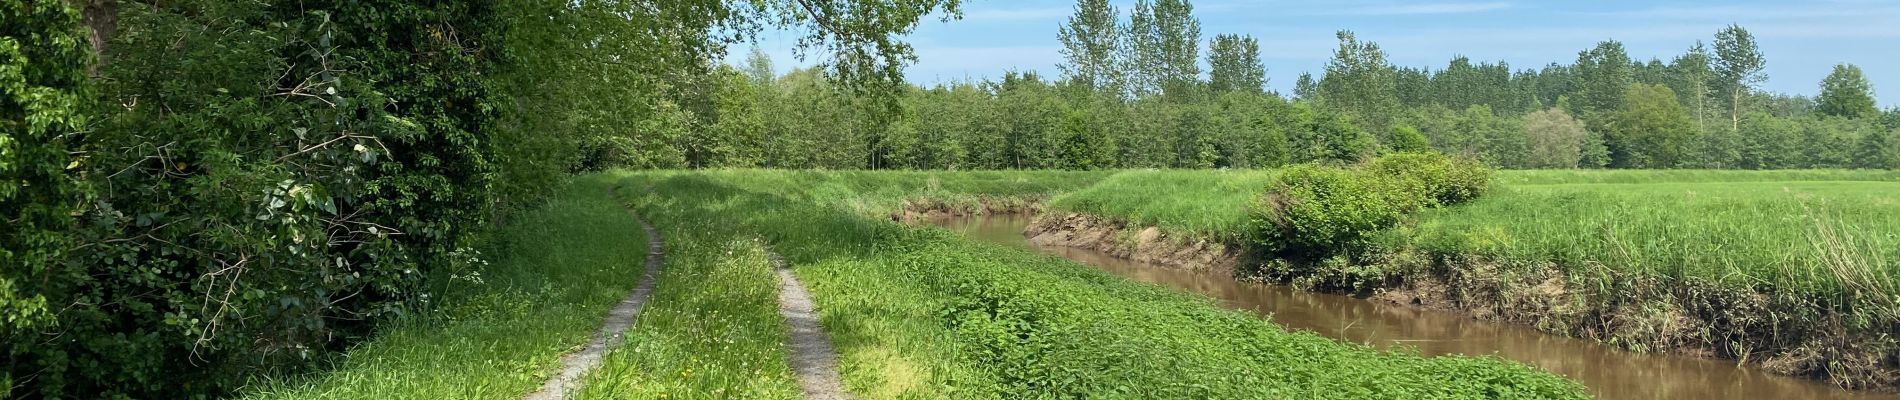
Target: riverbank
x=1785, y=270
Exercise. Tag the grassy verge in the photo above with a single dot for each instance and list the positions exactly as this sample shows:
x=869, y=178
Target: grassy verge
x=498, y=334
x=921, y=313
x=712, y=329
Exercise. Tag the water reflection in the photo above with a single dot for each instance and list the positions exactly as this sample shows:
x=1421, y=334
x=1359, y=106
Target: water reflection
x=1608, y=372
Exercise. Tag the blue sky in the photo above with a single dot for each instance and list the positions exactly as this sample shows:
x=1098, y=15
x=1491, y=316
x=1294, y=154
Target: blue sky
x=1802, y=40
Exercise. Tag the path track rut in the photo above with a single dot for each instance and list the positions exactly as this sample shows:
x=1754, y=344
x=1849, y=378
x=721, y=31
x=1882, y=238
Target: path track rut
x=813, y=358
x=576, y=365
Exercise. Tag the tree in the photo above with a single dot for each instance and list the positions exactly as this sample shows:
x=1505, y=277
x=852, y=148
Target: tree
x=1689, y=76
x=43, y=59
x=1405, y=139
x=1305, y=88
x=1234, y=65
x=1651, y=130
x=1141, y=51
x=1738, y=68
x=1603, y=75
x=1556, y=139
x=758, y=67
x=1090, y=41
x=1771, y=142
x=1324, y=135
x=1360, y=82
x=1846, y=93
x=1177, y=46
x=1879, y=149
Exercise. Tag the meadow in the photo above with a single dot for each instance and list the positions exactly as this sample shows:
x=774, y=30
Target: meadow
x=923, y=313
x=914, y=312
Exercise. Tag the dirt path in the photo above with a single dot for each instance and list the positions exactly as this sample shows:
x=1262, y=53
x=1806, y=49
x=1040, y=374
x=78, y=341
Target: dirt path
x=576, y=365
x=813, y=359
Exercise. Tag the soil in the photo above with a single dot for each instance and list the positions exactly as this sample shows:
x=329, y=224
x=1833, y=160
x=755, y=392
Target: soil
x=1148, y=245
x=576, y=365
x=813, y=359
x=916, y=210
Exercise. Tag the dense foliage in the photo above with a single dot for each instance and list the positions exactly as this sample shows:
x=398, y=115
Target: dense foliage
x=1311, y=211
x=42, y=61
x=224, y=189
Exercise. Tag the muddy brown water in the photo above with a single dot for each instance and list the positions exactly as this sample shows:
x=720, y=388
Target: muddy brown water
x=1610, y=373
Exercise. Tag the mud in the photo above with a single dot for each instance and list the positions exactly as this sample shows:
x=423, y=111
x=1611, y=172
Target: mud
x=1146, y=245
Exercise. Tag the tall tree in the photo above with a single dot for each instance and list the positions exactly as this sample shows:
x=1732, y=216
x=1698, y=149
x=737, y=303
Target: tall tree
x=1651, y=130
x=758, y=67
x=1234, y=65
x=1178, y=40
x=1846, y=93
x=1689, y=76
x=1556, y=139
x=1090, y=41
x=1141, y=51
x=1603, y=74
x=1738, y=68
x=1305, y=87
x=1360, y=82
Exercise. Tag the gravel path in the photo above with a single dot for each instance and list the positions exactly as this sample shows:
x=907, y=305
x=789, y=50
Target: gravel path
x=576, y=365
x=813, y=359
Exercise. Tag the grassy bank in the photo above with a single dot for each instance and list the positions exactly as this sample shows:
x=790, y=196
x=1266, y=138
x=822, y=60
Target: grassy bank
x=1207, y=204
x=1794, y=269
x=921, y=313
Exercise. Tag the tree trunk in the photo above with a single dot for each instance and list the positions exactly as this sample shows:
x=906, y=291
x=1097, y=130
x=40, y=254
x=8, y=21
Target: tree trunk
x=102, y=21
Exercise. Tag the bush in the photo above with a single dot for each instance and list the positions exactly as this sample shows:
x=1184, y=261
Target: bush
x=264, y=184
x=1316, y=208
x=1310, y=211
x=1439, y=179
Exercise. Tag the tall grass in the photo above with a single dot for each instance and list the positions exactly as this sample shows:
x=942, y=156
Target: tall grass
x=1784, y=234
x=500, y=331
x=1208, y=204
x=1548, y=177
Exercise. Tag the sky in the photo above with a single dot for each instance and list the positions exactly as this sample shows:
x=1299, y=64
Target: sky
x=1802, y=40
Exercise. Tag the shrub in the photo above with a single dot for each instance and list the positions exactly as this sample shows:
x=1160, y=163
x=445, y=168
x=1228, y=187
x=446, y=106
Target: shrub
x=1316, y=208
x=1310, y=211
x=1438, y=179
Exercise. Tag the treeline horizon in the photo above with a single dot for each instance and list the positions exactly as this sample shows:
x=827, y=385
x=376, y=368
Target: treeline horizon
x=1132, y=93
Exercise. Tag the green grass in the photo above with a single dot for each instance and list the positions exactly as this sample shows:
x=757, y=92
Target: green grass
x=1548, y=177
x=712, y=329
x=1786, y=234
x=1746, y=228
x=555, y=273
x=923, y=313
x=1208, y=204
x=884, y=192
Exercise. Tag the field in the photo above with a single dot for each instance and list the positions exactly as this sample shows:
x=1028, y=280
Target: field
x=914, y=312
x=922, y=313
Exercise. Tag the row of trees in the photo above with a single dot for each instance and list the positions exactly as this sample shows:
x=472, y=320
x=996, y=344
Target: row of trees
x=196, y=192
x=1132, y=95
